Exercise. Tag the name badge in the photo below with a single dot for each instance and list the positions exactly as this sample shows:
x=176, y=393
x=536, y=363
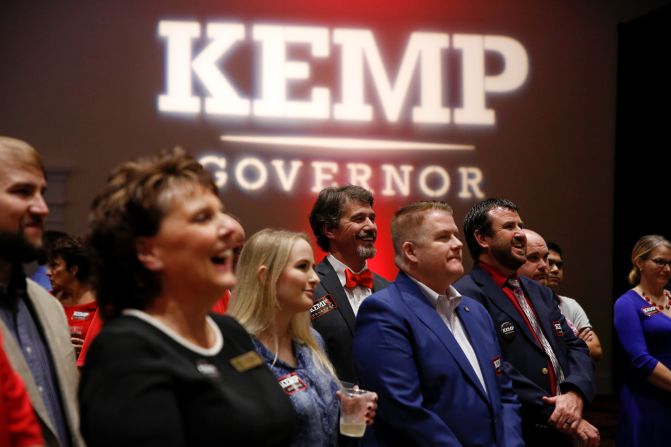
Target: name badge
x=508, y=330
x=496, y=361
x=245, y=362
x=79, y=315
x=323, y=306
x=649, y=310
x=558, y=329
x=292, y=383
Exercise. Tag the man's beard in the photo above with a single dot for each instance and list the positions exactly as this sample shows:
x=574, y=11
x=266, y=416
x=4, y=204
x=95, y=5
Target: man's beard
x=507, y=259
x=366, y=251
x=15, y=248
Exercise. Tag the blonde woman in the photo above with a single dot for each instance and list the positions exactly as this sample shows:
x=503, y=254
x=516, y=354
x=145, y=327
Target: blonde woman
x=272, y=301
x=643, y=326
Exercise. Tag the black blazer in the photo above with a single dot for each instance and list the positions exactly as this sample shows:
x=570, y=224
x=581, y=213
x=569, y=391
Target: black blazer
x=524, y=360
x=336, y=325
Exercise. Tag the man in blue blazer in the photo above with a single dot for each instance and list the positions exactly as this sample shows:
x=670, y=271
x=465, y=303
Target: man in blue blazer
x=550, y=367
x=430, y=354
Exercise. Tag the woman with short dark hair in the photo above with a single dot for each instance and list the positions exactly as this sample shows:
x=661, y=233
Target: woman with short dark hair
x=68, y=268
x=163, y=372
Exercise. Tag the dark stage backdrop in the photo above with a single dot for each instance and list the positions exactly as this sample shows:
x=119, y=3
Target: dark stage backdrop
x=414, y=99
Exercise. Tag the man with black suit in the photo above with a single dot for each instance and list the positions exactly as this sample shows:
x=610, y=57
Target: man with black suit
x=550, y=367
x=343, y=221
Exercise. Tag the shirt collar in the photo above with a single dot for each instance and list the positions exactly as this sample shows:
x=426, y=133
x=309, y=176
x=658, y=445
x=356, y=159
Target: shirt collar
x=498, y=277
x=451, y=294
x=339, y=268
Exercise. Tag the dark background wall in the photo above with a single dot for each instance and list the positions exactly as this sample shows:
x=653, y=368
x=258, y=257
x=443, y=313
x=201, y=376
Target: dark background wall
x=641, y=204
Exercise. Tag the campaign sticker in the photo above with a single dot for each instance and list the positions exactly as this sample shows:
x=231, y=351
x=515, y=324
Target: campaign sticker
x=649, y=310
x=496, y=361
x=508, y=330
x=558, y=329
x=323, y=306
x=292, y=383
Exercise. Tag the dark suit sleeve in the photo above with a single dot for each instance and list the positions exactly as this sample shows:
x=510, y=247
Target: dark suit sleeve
x=383, y=355
x=580, y=374
x=529, y=393
x=510, y=404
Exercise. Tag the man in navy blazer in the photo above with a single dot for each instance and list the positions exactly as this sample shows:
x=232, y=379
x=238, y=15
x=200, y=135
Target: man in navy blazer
x=343, y=221
x=430, y=354
x=552, y=391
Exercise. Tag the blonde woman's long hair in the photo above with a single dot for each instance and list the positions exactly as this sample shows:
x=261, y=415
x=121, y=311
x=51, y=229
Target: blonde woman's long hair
x=254, y=302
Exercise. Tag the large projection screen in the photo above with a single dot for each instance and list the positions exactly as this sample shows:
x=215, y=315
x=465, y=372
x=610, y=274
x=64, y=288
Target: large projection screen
x=445, y=100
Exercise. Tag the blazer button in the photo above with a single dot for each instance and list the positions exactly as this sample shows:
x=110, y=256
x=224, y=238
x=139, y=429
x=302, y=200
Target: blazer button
x=544, y=371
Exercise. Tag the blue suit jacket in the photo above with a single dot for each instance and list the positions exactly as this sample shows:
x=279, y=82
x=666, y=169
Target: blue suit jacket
x=429, y=395
x=337, y=326
x=525, y=361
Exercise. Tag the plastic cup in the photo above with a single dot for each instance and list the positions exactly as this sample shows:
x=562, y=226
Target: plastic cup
x=353, y=408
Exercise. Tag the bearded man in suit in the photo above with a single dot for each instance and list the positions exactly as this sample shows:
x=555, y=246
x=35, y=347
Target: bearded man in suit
x=550, y=367
x=343, y=222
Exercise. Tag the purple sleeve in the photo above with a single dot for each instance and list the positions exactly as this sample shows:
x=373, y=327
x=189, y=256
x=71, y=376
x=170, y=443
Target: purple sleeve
x=629, y=329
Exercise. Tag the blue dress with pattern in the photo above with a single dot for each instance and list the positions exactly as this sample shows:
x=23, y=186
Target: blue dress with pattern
x=645, y=335
x=312, y=392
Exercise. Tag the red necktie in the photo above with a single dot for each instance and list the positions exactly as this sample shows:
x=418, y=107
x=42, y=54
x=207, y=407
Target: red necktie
x=363, y=279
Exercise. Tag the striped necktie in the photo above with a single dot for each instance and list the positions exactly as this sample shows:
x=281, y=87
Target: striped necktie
x=514, y=285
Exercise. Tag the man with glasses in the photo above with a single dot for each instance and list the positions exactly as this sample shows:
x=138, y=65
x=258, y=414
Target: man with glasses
x=571, y=309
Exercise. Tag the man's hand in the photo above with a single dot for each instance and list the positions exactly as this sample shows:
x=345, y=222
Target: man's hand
x=587, y=434
x=586, y=334
x=567, y=414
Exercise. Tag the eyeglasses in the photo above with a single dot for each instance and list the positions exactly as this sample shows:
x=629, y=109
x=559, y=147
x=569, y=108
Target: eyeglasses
x=659, y=262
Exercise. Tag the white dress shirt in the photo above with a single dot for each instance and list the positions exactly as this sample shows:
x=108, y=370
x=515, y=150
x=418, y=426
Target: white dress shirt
x=446, y=306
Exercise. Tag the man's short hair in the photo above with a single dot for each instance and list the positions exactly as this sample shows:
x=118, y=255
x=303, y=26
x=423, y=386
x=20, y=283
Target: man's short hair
x=20, y=154
x=328, y=209
x=478, y=219
x=553, y=246
x=407, y=221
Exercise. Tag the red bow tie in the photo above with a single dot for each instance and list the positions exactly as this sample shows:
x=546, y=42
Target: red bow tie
x=363, y=279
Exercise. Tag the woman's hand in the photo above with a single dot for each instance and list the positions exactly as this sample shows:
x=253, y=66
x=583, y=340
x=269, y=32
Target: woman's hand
x=371, y=407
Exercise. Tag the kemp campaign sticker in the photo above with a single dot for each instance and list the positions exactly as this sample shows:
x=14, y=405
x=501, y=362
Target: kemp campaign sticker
x=323, y=306
x=558, y=329
x=508, y=330
x=649, y=310
x=496, y=361
x=292, y=383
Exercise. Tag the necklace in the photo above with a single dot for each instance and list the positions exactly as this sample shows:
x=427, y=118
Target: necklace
x=661, y=307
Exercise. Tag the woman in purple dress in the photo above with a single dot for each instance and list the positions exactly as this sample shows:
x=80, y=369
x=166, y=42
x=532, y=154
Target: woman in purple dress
x=643, y=326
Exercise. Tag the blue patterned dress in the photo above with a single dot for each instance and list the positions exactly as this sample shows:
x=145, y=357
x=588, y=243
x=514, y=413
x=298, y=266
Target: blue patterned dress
x=312, y=392
x=645, y=335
